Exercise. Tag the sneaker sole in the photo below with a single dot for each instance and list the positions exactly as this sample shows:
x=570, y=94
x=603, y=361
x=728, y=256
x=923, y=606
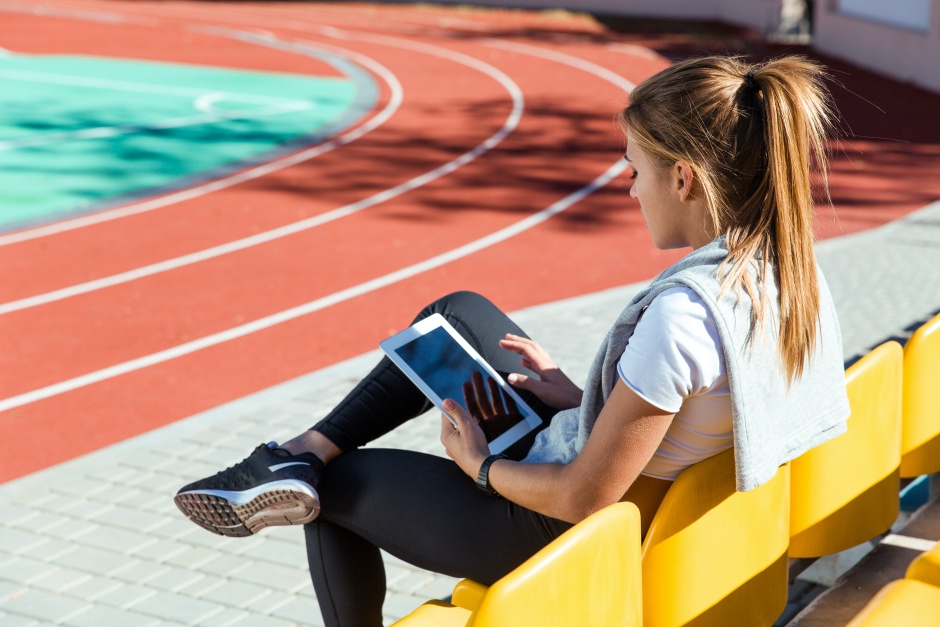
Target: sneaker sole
x=269, y=509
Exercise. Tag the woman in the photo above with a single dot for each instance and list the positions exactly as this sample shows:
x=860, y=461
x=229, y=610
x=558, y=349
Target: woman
x=735, y=345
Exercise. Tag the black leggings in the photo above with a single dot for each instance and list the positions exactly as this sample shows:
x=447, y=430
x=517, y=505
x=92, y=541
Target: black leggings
x=421, y=508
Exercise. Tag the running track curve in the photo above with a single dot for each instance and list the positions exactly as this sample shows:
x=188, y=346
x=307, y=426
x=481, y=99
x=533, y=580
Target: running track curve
x=518, y=122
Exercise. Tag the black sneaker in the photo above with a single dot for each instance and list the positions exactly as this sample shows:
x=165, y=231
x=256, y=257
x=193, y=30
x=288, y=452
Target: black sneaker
x=269, y=487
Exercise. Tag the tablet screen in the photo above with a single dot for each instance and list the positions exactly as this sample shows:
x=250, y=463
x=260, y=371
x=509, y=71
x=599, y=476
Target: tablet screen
x=444, y=366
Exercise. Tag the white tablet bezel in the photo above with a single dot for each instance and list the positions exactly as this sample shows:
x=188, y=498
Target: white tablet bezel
x=531, y=420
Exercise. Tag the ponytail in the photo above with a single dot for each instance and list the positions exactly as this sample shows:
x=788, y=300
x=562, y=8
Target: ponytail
x=752, y=135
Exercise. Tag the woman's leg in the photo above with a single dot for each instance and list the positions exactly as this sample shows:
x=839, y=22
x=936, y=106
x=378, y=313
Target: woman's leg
x=422, y=509
x=386, y=398
x=278, y=485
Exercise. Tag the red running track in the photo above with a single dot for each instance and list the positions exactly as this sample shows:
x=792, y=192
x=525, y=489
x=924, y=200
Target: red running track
x=448, y=64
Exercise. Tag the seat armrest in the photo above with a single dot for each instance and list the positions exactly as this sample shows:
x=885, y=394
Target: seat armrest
x=468, y=594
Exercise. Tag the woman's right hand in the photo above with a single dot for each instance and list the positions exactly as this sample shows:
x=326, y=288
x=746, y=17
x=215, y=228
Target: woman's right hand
x=553, y=386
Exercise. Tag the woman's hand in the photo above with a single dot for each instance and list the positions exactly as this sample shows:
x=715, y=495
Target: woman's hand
x=486, y=405
x=465, y=443
x=553, y=386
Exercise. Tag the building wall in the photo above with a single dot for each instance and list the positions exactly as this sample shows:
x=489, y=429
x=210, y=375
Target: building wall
x=763, y=15
x=906, y=53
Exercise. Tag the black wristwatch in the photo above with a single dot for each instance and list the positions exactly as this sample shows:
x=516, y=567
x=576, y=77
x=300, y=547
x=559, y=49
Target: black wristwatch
x=483, y=478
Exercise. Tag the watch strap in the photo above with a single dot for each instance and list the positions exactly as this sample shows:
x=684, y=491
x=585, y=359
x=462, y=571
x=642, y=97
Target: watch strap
x=483, y=477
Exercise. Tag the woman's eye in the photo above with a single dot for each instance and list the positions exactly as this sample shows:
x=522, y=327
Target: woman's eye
x=632, y=173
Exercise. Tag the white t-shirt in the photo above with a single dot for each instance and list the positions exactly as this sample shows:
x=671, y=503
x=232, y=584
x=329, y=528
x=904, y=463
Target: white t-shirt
x=674, y=360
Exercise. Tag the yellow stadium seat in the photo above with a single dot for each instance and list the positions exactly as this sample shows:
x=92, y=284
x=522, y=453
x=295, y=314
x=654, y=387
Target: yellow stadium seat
x=926, y=567
x=920, y=431
x=845, y=491
x=590, y=575
x=901, y=603
x=715, y=556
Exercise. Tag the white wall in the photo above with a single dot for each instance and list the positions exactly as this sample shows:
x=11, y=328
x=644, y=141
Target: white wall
x=863, y=34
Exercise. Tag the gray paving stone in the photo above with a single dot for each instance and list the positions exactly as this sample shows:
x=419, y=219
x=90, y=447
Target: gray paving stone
x=94, y=588
x=23, y=570
x=411, y=582
x=50, y=549
x=173, y=528
x=79, y=486
x=43, y=606
x=176, y=607
x=8, y=589
x=300, y=610
x=29, y=522
x=93, y=560
x=60, y=581
x=157, y=482
x=204, y=586
x=228, y=617
x=138, y=572
x=109, y=474
x=17, y=541
x=278, y=577
x=283, y=553
x=175, y=579
x=120, y=494
x=10, y=514
x=225, y=565
x=128, y=518
x=100, y=616
x=259, y=620
x=126, y=596
x=238, y=594
x=12, y=620
x=64, y=528
x=161, y=551
x=271, y=603
x=193, y=557
x=116, y=540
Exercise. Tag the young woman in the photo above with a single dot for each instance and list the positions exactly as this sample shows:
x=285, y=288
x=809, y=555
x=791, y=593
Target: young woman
x=735, y=345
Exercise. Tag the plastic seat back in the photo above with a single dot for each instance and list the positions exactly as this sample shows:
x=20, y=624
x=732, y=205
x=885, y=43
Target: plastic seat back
x=715, y=556
x=920, y=426
x=590, y=575
x=845, y=491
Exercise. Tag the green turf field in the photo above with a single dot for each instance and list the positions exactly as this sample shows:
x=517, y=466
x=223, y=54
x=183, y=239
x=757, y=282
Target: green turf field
x=80, y=133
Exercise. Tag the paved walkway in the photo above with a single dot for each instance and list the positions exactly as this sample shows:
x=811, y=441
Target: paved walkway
x=98, y=541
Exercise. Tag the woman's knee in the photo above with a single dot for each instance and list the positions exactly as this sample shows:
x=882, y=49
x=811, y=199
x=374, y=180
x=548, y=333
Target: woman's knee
x=456, y=302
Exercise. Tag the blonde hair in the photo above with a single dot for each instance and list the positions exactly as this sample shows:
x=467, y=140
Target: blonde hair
x=750, y=134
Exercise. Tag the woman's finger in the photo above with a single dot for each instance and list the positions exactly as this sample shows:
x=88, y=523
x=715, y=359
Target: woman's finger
x=497, y=395
x=457, y=414
x=479, y=387
x=470, y=398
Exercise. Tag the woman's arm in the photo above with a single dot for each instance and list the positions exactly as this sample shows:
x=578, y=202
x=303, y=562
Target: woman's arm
x=627, y=433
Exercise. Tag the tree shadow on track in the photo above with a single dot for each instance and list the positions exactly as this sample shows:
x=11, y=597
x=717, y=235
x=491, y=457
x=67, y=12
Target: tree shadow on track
x=887, y=150
x=557, y=149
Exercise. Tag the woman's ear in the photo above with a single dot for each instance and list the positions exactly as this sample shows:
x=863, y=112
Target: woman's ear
x=685, y=178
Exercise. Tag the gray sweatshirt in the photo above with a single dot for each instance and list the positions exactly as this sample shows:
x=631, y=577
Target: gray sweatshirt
x=772, y=423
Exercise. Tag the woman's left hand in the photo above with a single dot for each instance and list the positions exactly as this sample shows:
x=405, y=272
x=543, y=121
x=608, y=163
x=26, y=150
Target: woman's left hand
x=465, y=443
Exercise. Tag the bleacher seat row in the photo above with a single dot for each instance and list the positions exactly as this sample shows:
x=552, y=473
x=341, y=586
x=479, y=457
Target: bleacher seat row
x=714, y=556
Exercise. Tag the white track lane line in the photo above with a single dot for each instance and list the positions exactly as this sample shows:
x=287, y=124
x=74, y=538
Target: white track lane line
x=316, y=305
x=102, y=132
x=395, y=100
x=512, y=121
x=363, y=288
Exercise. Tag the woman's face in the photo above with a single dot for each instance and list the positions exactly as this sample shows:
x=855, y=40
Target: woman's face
x=658, y=189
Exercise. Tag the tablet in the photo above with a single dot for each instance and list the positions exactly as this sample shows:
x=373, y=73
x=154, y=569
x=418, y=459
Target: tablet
x=439, y=362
